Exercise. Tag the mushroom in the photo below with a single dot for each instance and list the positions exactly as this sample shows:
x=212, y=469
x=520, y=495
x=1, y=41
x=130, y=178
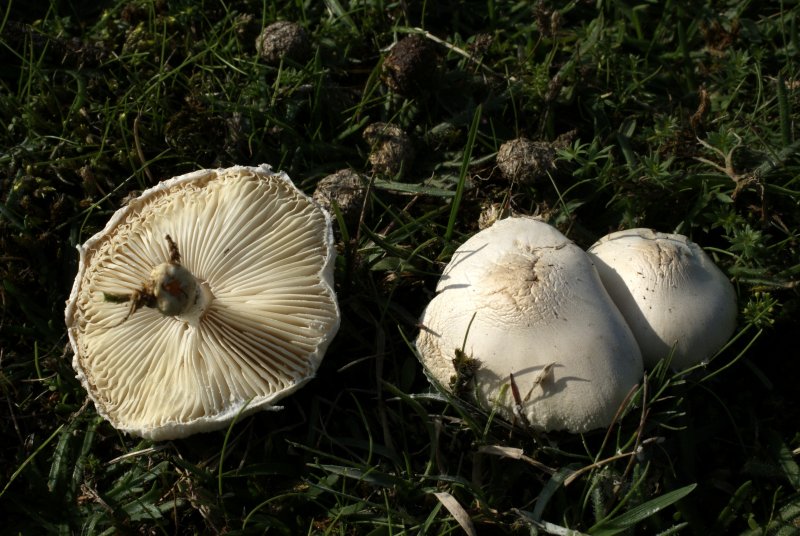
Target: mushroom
x=672, y=295
x=522, y=320
x=209, y=296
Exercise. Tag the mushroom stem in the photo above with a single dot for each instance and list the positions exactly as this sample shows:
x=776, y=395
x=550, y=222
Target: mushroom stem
x=174, y=290
x=173, y=287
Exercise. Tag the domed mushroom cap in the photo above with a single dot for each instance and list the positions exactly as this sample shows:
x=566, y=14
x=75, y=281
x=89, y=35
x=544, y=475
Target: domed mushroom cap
x=210, y=293
x=523, y=300
x=670, y=293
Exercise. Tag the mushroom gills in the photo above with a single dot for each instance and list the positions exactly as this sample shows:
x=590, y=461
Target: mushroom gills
x=208, y=297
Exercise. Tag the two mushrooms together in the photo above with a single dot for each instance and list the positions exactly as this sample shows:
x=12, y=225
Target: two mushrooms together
x=557, y=337
x=211, y=296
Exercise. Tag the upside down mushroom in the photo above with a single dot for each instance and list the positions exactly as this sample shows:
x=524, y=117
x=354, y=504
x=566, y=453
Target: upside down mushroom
x=209, y=296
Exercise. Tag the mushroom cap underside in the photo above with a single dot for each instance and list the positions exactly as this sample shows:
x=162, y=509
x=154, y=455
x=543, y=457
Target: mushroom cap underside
x=262, y=253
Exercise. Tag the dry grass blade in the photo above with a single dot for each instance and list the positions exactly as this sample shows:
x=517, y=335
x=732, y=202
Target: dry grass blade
x=515, y=454
x=457, y=511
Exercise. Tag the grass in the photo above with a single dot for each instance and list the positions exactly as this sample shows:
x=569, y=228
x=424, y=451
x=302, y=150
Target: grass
x=673, y=116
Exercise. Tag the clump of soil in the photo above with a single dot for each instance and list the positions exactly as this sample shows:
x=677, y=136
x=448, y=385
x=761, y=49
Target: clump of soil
x=525, y=161
x=391, y=150
x=346, y=189
x=411, y=67
x=283, y=39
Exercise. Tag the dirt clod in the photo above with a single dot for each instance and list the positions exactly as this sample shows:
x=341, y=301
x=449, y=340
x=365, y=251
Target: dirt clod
x=345, y=188
x=525, y=161
x=411, y=66
x=391, y=150
x=283, y=39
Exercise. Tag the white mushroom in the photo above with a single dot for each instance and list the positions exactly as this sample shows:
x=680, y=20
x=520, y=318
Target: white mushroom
x=670, y=293
x=519, y=300
x=209, y=295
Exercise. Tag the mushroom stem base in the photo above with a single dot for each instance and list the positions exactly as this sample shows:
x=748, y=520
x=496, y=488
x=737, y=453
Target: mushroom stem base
x=195, y=312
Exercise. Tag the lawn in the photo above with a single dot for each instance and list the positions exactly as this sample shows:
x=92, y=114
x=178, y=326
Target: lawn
x=676, y=116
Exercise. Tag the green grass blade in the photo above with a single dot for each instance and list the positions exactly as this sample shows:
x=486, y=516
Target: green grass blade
x=29, y=459
x=728, y=514
x=637, y=514
x=784, y=111
x=783, y=457
x=223, y=450
x=462, y=177
x=555, y=482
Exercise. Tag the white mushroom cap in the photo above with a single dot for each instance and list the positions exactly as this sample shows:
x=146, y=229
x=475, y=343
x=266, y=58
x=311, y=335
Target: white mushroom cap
x=253, y=317
x=670, y=293
x=522, y=299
